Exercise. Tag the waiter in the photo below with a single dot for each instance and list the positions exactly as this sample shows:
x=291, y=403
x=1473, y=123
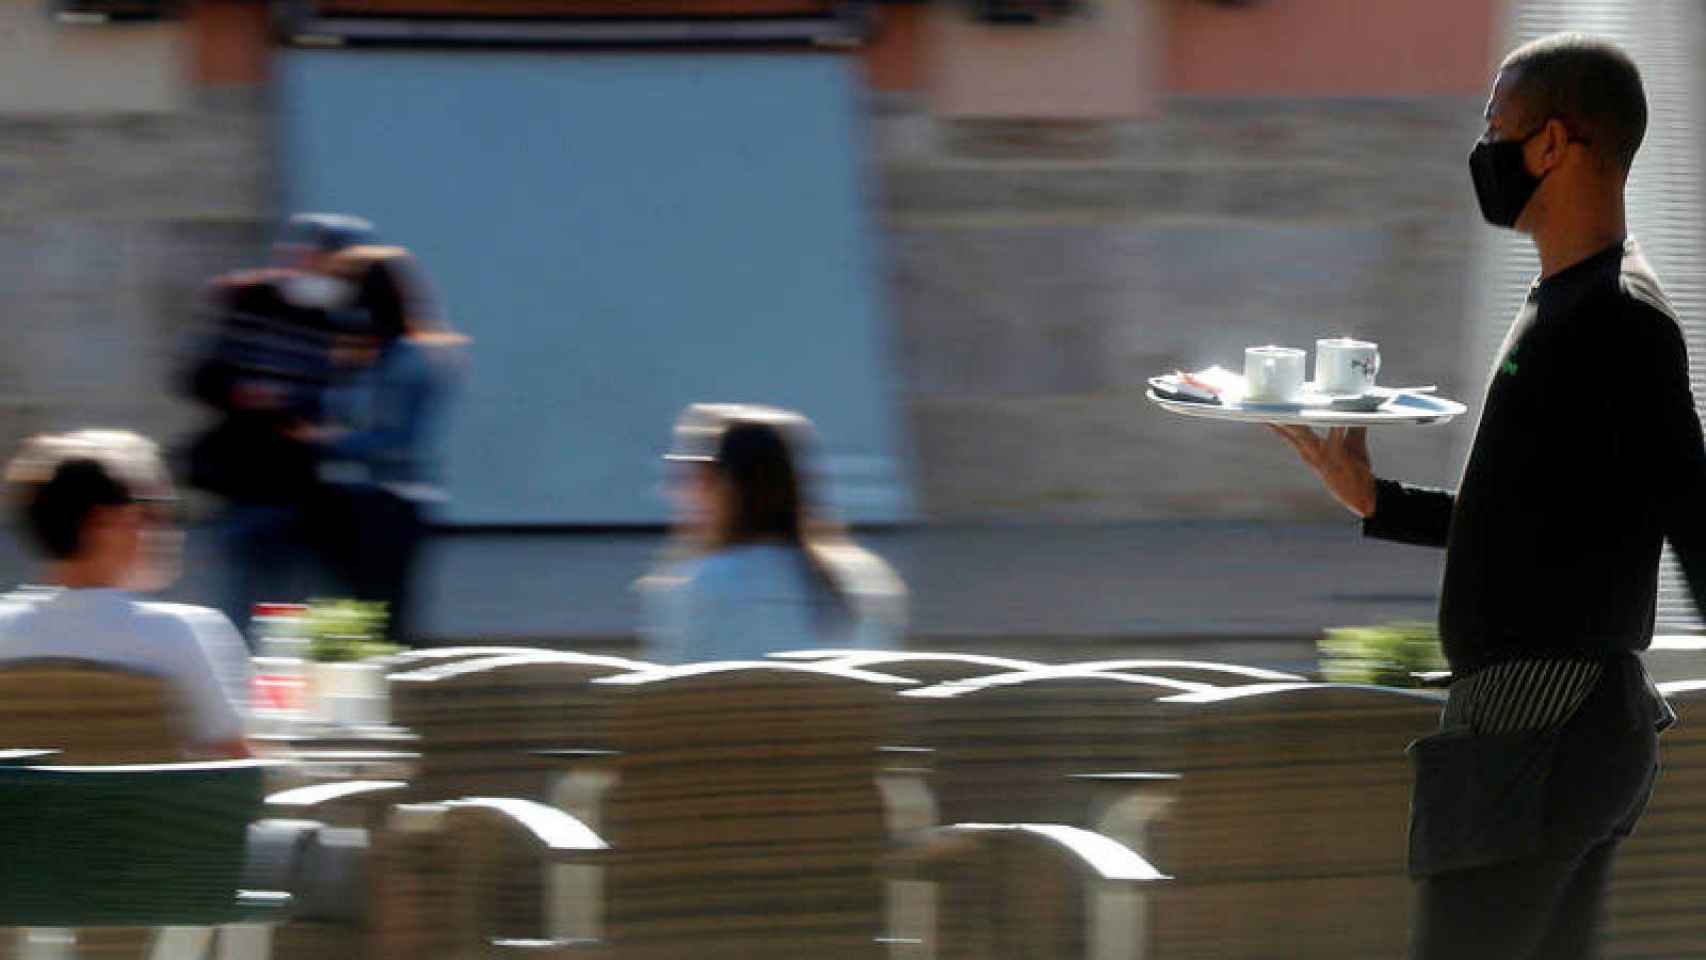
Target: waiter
x=1548, y=745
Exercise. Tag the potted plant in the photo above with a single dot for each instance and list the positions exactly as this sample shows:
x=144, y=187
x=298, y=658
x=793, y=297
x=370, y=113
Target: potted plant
x=1389, y=654
x=346, y=684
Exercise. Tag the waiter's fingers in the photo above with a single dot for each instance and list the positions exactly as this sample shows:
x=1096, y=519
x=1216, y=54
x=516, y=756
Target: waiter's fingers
x=1349, y=442
x=1302, y=439
x=1356, y=442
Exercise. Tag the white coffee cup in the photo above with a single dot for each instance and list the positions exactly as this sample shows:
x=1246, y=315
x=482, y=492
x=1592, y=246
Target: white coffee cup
x=1346, y=366
x=1274, y=374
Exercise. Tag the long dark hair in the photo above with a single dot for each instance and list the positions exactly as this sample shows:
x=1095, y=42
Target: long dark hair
x=382, y=293
x=761, y=456
x=770, y=498
x=394, y=292
x=764, y=456
x=768, y=492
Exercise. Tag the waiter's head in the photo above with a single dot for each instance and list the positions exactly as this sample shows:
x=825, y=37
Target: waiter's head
x=1564, y=121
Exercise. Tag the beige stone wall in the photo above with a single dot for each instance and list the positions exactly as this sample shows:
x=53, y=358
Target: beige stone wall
x=1043, y=271
x=52, y=68
x=1037, y=274
x=108, y=224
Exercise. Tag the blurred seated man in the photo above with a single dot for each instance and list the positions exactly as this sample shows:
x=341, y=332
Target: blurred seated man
x=93, y=503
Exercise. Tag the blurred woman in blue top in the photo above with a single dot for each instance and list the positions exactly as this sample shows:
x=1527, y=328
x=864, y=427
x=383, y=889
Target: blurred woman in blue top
x=384, y=451
x=754, y=568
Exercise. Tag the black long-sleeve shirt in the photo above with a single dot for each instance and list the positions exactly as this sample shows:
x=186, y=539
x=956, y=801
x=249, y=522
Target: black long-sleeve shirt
x=256, y=337
x=1588, y=456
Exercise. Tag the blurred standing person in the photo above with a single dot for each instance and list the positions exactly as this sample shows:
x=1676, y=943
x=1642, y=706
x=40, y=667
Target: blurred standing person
x=263, y=368
x=1548, y=746
x=754, y=568
x=95, y=505
x=384, y=434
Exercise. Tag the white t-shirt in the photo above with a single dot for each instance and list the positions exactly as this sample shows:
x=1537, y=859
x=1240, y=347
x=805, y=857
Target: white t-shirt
x=193, y=648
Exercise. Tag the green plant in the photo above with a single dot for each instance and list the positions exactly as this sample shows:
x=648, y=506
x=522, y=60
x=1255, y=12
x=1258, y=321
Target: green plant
x=342, y=631
x=1388, y=654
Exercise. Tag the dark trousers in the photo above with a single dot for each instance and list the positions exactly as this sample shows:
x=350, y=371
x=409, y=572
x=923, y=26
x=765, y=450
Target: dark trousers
x=267, y=554
x=1540, y=907
x=1551, y=904
x=389, y=532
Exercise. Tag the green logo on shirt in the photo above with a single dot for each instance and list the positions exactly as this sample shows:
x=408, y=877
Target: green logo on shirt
x=1509, y=366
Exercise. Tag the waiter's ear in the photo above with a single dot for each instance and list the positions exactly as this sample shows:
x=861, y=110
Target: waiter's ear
x=1553, y=142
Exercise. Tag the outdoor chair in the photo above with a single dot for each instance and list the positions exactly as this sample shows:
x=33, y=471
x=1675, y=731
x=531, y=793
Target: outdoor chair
x=482, y=725
x=1053, y=753
x=480, y=722
x=736, y=811
x=1006, y=748
x=81, y=711
x=1289, y=819
x=109, y=832
x=89, y=712
x=736, y=814
x=134, y=845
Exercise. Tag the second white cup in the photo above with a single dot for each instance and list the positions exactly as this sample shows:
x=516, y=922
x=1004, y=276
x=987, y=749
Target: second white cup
x=1346, y=366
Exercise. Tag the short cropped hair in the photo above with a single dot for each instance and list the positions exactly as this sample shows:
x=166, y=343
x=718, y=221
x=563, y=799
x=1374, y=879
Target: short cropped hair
x=57, y=480
x=1588, y=83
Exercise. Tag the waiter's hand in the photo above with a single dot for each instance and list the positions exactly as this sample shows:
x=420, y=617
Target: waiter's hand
x=1341, y=458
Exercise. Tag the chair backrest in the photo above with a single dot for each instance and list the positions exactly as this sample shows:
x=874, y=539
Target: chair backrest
x=746, y=819
x=480, y=720
x=1007, y=746
x=126, y=844
x=440, y=656
x=90, y=712
x=740, y=711
x=923, y=666
x=1289, y=821
x=1200, y=671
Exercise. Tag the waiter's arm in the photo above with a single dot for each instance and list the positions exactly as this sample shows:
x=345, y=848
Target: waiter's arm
x=1408, y=514
x=1678, y=455
x=1389, y=510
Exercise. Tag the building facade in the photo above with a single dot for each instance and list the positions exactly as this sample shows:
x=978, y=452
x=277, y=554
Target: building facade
x=1062, y=208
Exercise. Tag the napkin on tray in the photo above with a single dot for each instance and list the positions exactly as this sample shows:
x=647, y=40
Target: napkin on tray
x=1214, y=384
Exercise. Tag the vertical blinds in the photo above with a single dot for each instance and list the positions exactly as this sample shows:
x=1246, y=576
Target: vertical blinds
x=1667, y=206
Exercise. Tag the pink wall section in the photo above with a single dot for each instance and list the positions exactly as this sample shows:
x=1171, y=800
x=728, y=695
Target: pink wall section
x=1361, y=48
x=1127, y=54
x=1105, y=64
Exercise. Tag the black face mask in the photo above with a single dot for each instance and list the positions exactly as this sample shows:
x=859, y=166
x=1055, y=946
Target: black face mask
x=1503, y=184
